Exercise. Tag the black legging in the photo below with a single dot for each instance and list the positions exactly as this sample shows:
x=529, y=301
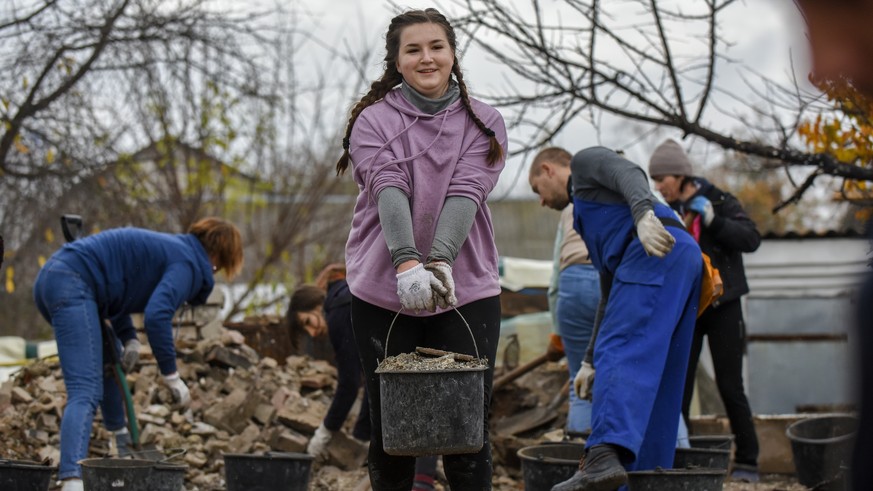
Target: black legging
x=446, y=331
x=724, y=328
x=349, y=373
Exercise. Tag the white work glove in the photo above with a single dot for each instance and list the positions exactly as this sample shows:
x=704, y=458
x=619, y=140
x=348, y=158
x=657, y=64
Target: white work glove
x=443, y=272
x=416, y=288
x=656, y=240
x=181, y=395
x=130, y=355
x=584, y=381
x=317, y=446
x=703, y=207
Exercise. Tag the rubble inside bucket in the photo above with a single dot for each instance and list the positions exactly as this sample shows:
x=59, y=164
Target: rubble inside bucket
x=407, y=362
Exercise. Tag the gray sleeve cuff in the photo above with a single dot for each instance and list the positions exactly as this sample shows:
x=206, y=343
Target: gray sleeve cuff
x=396, y=220
x=454, y=224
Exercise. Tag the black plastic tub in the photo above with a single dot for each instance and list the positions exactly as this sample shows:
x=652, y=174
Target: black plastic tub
x=273, y=471
x=24, y=475
x=117, y=474
x=548, y=464
x=676, y=480
x=168, y=477
x=822, y=449
x=702, y=458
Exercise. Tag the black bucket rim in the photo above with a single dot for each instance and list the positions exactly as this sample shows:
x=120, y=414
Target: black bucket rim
x=700, y=471
x=130, y=463
x=26, y=464
x=821, y=441
x=726, y=436
x=693, y=450
x=270, y=455
x=381, y=371
x=548, y=460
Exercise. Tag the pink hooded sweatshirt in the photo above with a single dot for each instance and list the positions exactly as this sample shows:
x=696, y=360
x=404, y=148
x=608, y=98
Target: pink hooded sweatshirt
x=428, y=157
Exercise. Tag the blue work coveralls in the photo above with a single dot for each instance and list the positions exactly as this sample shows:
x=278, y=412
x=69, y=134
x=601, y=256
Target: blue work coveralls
x=642, y=348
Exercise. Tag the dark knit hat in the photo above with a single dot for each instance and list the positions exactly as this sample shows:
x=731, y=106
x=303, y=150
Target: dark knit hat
x=669, y=160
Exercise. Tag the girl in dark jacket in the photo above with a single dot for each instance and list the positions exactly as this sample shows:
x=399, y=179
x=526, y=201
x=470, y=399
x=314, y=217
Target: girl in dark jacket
x=724, y=231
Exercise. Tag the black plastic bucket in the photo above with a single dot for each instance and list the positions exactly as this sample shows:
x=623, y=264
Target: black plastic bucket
x=23, y=475
x=822, y=449
x=432, y=412
x=117, y=474
x=722, y=442
x=701, y=458
x=272, y=471
x=676, y=480
x=168, y=477
x=543, y=466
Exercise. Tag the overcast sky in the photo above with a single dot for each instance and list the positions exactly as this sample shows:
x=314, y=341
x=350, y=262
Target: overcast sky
x=765, y=35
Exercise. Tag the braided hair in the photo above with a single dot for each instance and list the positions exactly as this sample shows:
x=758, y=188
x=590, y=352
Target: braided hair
x=391, y=78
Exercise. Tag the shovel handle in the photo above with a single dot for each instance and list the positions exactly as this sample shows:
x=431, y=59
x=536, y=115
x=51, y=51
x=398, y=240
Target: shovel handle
x=519, y=371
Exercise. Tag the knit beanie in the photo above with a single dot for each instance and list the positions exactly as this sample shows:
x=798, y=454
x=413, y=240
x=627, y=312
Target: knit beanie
x=669, y=160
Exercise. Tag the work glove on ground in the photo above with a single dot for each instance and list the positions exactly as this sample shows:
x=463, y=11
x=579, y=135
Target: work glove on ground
x=584, y=381
x=656, y=240
x=443, y=272
x=555, y=350
x=130, y=355
x=178, y=389
x=317, y=446
x=703, y=207
x=416, y=288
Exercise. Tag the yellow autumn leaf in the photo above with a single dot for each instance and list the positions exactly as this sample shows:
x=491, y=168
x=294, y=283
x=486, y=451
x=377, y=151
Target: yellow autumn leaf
x=10, y=280
x=50, y=156
x=49, y=236
x=21, y=147
x=41, y=261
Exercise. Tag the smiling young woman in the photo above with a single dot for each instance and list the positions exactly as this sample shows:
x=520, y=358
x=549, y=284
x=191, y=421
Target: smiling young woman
x=426, y=155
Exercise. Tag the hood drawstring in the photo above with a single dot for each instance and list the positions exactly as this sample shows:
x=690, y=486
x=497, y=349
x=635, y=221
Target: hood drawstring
x=367, y=178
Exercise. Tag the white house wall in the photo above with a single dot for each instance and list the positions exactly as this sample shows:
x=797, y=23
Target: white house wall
x=799, y=322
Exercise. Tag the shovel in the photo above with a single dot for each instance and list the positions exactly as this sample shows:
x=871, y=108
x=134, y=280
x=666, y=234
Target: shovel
x=533, y=418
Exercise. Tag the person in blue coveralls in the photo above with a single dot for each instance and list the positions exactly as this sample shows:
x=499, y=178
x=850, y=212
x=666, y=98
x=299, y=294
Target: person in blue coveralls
x=111, y=275
x=650, y=270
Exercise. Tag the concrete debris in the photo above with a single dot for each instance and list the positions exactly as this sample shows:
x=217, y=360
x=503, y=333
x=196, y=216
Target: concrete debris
x=246, y=403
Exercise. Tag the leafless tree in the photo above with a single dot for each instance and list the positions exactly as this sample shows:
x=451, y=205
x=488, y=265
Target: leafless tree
x=647, y=61
x=152, y=113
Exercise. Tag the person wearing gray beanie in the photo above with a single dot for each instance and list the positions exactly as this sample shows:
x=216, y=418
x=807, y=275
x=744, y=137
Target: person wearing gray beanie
x=669, y=160
x=717, y=221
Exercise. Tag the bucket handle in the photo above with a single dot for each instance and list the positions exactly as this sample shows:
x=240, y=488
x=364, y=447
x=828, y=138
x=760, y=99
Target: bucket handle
x=173, y=453
x=473, y=338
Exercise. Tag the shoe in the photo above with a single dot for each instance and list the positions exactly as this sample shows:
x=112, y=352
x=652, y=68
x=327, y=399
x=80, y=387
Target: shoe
x=72, y=485
x=120, y=443
x=599, y=470
x=745, y=473
x=317, y=446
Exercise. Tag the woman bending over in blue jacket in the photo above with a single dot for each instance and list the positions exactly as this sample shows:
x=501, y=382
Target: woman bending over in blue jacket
x=109, y=276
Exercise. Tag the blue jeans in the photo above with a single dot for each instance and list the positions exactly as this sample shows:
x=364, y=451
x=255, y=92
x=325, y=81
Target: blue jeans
x=67, y=302
x=578, y=296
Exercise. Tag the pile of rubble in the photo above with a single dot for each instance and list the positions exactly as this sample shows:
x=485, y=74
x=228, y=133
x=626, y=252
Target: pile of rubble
x=240, y=403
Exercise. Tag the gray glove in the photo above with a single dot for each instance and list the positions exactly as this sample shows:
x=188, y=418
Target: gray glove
x=130, y=355
x=656, y=240
x=416, y=288
x=443, y=272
